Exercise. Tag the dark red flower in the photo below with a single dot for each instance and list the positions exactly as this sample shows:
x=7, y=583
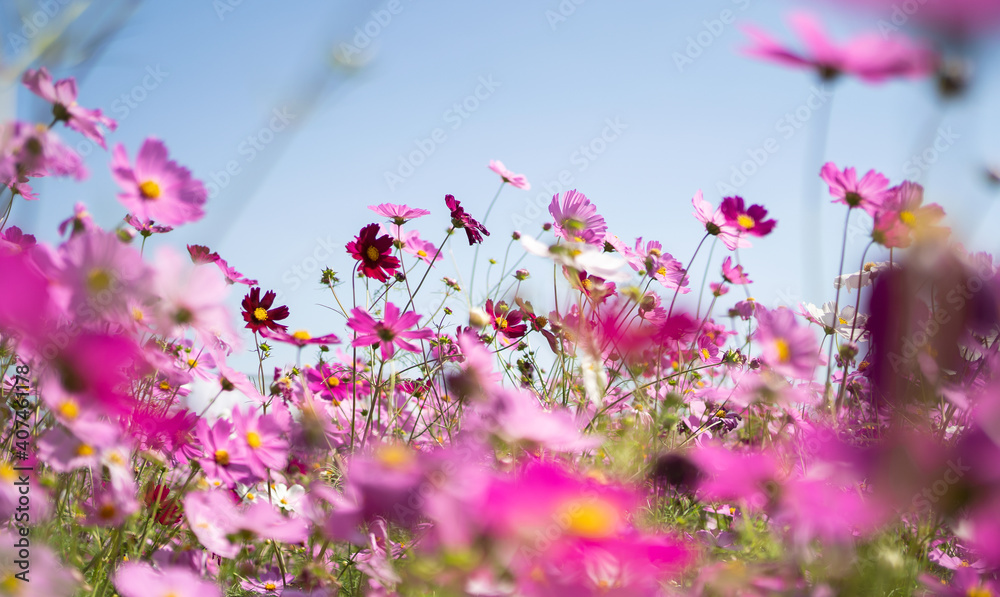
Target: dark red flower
x=257, y=311
x=505, y=321
x=460, y=219
x=747, y=220
x=373, y=251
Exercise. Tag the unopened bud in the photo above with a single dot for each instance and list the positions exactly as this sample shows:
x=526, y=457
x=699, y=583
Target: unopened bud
x=478, y=318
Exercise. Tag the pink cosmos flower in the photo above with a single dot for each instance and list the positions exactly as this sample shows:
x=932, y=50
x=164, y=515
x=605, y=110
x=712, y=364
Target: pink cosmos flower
x=138, y=579
x=62, y=95
x=14, y=240
x=747, y=220
x=716, y=224
x=271, y=582
x=788, y=348
x=46, y=576
x=734, y=275
x=515, y=180
x=413, y=244
x=223, y=458
x=393, y=330
x=869, y=193
x=231, y=275
x=903, y=219
x=299, y=338
x=146, y=227
x=31, y=150
x=871, y=56
x=201, y=255
x=191, y=297
x=576, y=219
x=80, y=221
x=399, y=214
x=101, y=275
x=157, y=188
x=262, y=439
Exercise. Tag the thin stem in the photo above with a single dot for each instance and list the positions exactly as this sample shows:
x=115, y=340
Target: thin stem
x=836, y=300
x=475, y=257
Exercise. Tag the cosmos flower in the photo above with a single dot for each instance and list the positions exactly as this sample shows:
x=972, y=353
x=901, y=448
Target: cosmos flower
x=300, y=338
x=374, y=253
x=716, y=223
x=788, y=348
x=460, y=219
x=872, y=57
x=515, y=180
x=157, y=188
x=413, y=244
x=62, y=95
x=734, y=275
x=398, y=214
x=868, y=193
x=748, y=220
x=261, y=438
x=505, y=320
x=393, y=330
x=138, y=579
x=576, y=219
x=904, y=219
x=258, y=312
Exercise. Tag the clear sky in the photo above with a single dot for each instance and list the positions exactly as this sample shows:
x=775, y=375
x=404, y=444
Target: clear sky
x=253, y=86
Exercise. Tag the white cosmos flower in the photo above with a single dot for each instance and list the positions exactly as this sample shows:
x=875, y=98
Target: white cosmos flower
x=287, y=498
x=581, y=257
x=841, y=324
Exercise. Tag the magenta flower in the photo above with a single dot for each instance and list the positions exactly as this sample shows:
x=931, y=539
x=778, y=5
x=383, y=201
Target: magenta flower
x=716, y=224
x=515, y=180
x=871, y=57
x=157, y=188
x=786, y=347
x=299, y=338
x=460, y=219
x=202, y=255
x=413, y=244
x=62, y=95
x=734, y=275
x=505, y=320
x=576, y=219
x=80, y=221
x=869, y=193
x=146, y=227
x=399, y=214
x=232, y=276
x=393, y=330
x=14, y=240
x=262, y=440
x=903, y=218
x=137, y=579
x=748, y=220
x=223, y=458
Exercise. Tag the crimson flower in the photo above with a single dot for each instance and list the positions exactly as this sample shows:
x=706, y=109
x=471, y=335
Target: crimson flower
x=506, y=321
x=373, y=251
x=257, y=311
x=460, y=219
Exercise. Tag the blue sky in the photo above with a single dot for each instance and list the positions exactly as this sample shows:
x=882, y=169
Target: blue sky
x=253, y=87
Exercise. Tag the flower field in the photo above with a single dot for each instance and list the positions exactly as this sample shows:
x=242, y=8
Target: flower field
x=641, y=427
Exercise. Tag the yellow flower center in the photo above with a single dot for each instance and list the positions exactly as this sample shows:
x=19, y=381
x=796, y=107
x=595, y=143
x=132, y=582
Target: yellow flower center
x=192, y=363
x=98, y=280
x=107, y=511
x=745, y=221
x=222, y=457
x=10, y=585
x=907, y=218
x=7, y=473
x=587, y=283
x=781, y=347
x=372, y=253
x=137, y=314
x=592, y=518
x=302, y=335
x=502, y=323
x=84, y=450
x=705, y=354
x=395, y=456
x=422, y=253
x=69, y=409
x=149, y=190
x=260, y=314
x=720, y=413
x=662, y=271
x=979, y=592
x=842, y=321
x=270, y=586
x=332, y=381
x=253, y=439
x=164, y=385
